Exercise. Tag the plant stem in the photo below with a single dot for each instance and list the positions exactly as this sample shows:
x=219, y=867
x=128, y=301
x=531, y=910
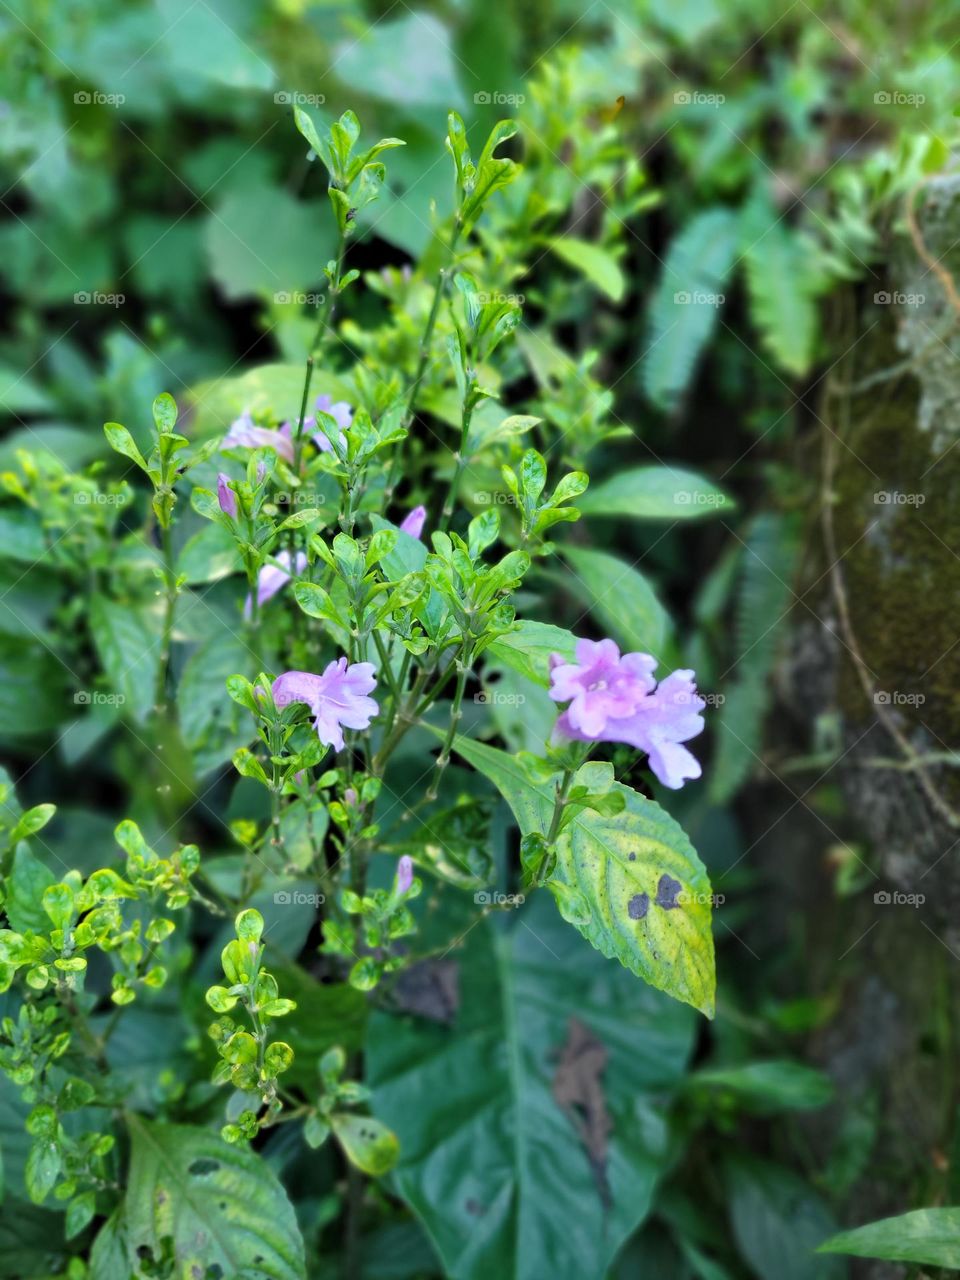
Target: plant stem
x=166, y=643
x=324, y=325
x=443, y=759
x=426, y=342
x=560, y=800
x=460, y=457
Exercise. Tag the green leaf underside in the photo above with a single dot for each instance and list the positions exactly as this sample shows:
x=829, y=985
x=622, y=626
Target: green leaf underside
x=528, y=649
x=496, y=1168
x=222, y=1205
x=927, y=1236
x=669, y=947
x=620, y=597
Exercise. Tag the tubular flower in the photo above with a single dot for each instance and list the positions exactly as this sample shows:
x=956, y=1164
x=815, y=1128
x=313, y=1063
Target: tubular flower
x=245, y=434
x=272, y=577
x=615, y=699
x=414, y=521
x=226, y=496
x=338, y=699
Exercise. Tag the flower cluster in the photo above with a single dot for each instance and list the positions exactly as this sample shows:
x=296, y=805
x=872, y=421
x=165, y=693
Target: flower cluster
x=615, y=698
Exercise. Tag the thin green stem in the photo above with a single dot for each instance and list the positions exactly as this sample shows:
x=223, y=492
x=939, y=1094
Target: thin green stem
x=170, y=591
x=560, y=800
x=443, y=759
x=460, y=457
x=426, y=341
x=324, y=328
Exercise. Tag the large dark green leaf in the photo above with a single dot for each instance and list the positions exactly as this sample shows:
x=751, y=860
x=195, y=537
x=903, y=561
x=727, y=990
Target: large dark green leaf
x=509, y=1182
x=222, y=1205
x=129, y=650
x=778, y=1220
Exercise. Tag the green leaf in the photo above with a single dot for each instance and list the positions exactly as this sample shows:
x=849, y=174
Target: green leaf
x=656, y=493
x=648, y=896
x=407, y=62
x=778, y=1220
x=25, y=886
x=492, y=1124
x=328, y=1014
x=123, y=442
x=367, y=1142
x=21, y=536
x=599, y=266
x=930, y=1237
x=531, y=802
x=264, y=240
x=43, y=1168
x=685, y=305
x=223, y=1205
x=213, y=726
x=129, y=651
x=32, y=821
x=769, y=1086
x=528, y=647
x=783, y=278
x=620, y=598
x=209, y=555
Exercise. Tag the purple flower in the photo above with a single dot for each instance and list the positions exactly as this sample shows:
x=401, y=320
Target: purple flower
x=271, y=578
x=342, y=414
x=613, y=699
x=245, y=434
x=338, y=698
x=414, y=521
x=600, y=685
x=226, y=496
x=404, y=877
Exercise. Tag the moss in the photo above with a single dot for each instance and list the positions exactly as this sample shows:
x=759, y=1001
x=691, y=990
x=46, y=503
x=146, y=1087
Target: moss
x=902, y=569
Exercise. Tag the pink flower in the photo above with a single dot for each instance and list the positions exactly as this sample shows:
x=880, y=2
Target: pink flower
x=613, y=699
x=226, y=496
x=245, y=434
x=271, y=578
x=414, y=521
x=404, y=877
x=341, y=412
x=600, y=685
x=338, y=698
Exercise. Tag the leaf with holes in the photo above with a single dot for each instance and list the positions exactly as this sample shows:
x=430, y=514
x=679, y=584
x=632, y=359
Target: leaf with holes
x=646, y=893
x=222, y=1206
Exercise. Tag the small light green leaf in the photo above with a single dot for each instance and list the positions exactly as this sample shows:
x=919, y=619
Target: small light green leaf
x=930, y=1237
x=599, y=266
x=123, y=442
x=32, y=821
x=367, y=1143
